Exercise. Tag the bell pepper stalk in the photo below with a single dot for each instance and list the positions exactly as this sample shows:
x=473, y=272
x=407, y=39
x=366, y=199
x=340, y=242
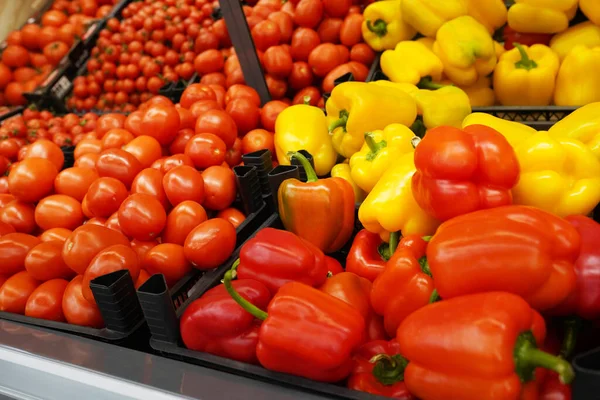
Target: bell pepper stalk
x=501, y=249
x=572, y=327
x=448, y=347
x=320, y=211
x=379, y=27
x=368, y=255
x=300, y=316
x=383, y=26
x=525, y=62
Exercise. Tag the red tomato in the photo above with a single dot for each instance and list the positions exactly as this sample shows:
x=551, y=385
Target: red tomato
x=269, y=113
x=234, y=154
x=105, y=196
x=46, y=301
x=32, y=179
x=57, y=234
x=15, y=292
x=209, y=61
x=13, y=250
x=285, y=23
x=149, y=181
x=15, y=56
x=6, y=228
x=181, y=220
x=175, y=161
x=77, y=310
x=178, y=145
x=54, y=18
x=362, y=53
x=111, y=259
x=258, y=139
x=219, y=123
x=219, y=187
x=196, y=92
x=245, y=114
x=278, y=61
x=183, y=183
x=266, y=34
x=75, y=182
x=188, y=121
x=350, y=31
x=87, y=161
x=205, y=150
x=304, y=40
x=55, y=51
x=116, y=138
x=45, y=262
x=161, y=122
x=210, y=244
x=5, y=198
x=133, y=123
x=58, y=211
x=308, y=13
x=19, y=215
x=233, y=215
x=301, y=75
x=142, y=217
x=145, y=148
x=167, y=259
x=109, y=121
x=87, y=146
x=324, y=58
x=242, y=91
x=118, y=164
x=214, y=78
x=309, y=94
x=329, y=30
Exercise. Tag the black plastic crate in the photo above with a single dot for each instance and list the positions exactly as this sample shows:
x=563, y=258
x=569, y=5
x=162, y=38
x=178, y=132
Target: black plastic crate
x=11, y=112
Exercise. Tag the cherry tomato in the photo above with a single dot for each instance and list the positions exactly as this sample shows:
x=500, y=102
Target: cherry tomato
x=167, y=259
x=109, y=121
x=32, y=179
x=219, y=123
x=19, y=215
x=210, y=244
x=118, y=164
x=15, y=292
x=233, y=215
x=58, y=211
x=196, y=92
x=77, y=310
x=45, y=302
x=149, y=181
x=57, y=234
x=269, y=113
x=183, y=183
x=111, y=259
x=142, y=217
x=219, y=187
x=258, y=139
x=105, y=196
x=75, y=182
x=146, y=149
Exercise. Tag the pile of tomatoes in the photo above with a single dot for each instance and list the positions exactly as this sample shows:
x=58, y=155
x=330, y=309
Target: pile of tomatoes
x=32, y=52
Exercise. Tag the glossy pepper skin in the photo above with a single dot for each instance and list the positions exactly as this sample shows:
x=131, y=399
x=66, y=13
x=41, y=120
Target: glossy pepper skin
x=343, y=171
x=448, y=347
x=274, y=257
x=591, y=9
x=411, y=61
x=320, y=211
x=584, y=301
x=466, y=49
x=356, y=291
x=405, y=285
x=441, y=105
x=216, y=324
x=558, y=175
x=525, y=76
x=514, y=132
x=460, y=171
x=380, y=149
x=480, y=93
x=427, y=16
x=306, y=332
x=533, y=16
x=490, y=13
x=391, y=206
x=379, y=369
x=583, y=125
x=383, y=26
x=575, y=86
x=357, y=107
x=303, y=127
x=516, y=249
x=585, y=33
x=365, y=257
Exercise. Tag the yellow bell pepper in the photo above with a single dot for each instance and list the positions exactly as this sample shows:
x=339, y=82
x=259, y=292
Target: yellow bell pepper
x=525, y=76
x=466, y=49
x=541, y=16
x=383, y=27
x=499, y=48
x=343, y=171
x=578, y=81
x=357, y=107
x=427, y=41
x=409, y=62
x=427, y=16
x=303, y=127
x=583, y=124
x=560, y=175
x=481, y=93
x=490, y=13
x=380, y=150
x=585, y=33
x=591, y=9
x=391, y=207
x=440, y=105
x=514, y=132
x=405, y=87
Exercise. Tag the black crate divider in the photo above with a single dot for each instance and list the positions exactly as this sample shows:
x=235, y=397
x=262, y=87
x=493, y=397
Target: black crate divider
x=587, y=373
x=11, y=112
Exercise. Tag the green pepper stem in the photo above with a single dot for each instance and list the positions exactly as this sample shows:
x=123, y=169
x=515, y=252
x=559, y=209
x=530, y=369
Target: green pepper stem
x=374, y=146
x=427, y=239
x=419, y=129
x=394, y=238
x=525, y=62
x=306, y=100
x=340, y=122
x=428, y=83
x=425, y=266
x=245, y=304
x=379, y=27
x=311, y=175
x=434, y=296
x=388, y=370
x=528, y=357
x=572, y=327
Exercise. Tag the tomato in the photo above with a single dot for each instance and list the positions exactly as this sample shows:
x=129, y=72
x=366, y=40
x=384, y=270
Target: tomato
x=337, y=8
x=112, y=222
x=24, y=74
x=245, y=114
x=19, y=215
x=308, y=13
x=269, y=113
x=178, y=145
x=285, y=23
x=208, y=61
x=205, y=150
x=233, y=215
x=350, y=31
x=183, y=183
x=362, y=53
x=142, y=247
x=310, y=94
x=46, y=301
x=278, y=61
x=344, y=53
x=324, y=58
x=210, y=244
x=95, y=220
x=107, y=122
x=116, y=138
x=5, y=198
x=48, y=150
x=86, y=242
x=77, y=310
x=54, y=18
x=3, y=184
x=161, y=122
x=15, y=292
x=55, y=51
x=13, y=250
x=58, y=211
x=301, y=75
x=146, y=149
x=75, y=182
x=44, y=262
x=118, y=164
x=29, y=36
x=339, y=71
x=181, y=220
x=15, y=56
x=105, y=195
x=142, y=278
x=9, y=148
x=304, y=40
x=56, y=234
x=196, y=92
x=167, y=259
x=5, y=76
x=111, y=259
x=206, y=40
x=219, y=28
x=87, y=160
x=219, y=187
x=266, y=34
x=32, y=179
x=149, y=181
x=219, y=123
x=87, y=146
x=214, y=78
x=142, y=216
x=258, y=139
x=14, y=94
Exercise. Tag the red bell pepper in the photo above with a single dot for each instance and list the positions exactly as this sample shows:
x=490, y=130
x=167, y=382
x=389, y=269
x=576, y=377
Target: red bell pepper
x=306, y=332
x=517, y=249
x=379, y=369
x=461, y=171
x=275, y=257
x=480, y=346
x=528, y=39
x=356, y=291
x=216, y=324
x=405, y=285
x=584, y=301
x=320, y=210
x=369, y=254
x=553, y=389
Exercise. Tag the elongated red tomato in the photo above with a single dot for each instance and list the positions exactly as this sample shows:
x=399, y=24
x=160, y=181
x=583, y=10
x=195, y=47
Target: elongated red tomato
x=32, y=179
x=142, y=217
x=15, y=292
x=210, y=244
x=181, y=220
x=167, y=259
x=13, y=250
x=58, y=211
x=77, y=310
x=46, y=300
x=44, y=262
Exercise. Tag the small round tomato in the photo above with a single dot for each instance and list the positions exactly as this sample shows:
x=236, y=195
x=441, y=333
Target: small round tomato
x=196, y=92
x=245, y=114
x=105, y=196
x=142, y=217
x=219, y=187
x=87, y=146
x=13, y=250
x=133, y=123
x=149, y=181
x=304, y=41
x=167, y=259
x=56, y=234
x=161, y=122
x=242, y=91
x=118, y=164
x=45, y=262
x=258, y=139
x=116, y=138
x=75, y=182
x=15, y=56
x=45, y=302
x=205, y=150
x=181, y=220
x=109, y=121
x=266, y=34
x=183, y=183
x=111, y=259
x=19, y=215
x=301, y=75
x=145, y=148
x=77, y=310
x=233, y=215
x=269, y=113
x=220, y=123
x=58, y=211
x=87, y=241
x=210, y=244
x=55, y=51
x=15, y=292
x=32, y=179
x=182, y=138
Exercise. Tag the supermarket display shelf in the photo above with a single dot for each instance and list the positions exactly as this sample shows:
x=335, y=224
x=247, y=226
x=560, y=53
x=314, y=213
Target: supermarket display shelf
x=36, y=363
